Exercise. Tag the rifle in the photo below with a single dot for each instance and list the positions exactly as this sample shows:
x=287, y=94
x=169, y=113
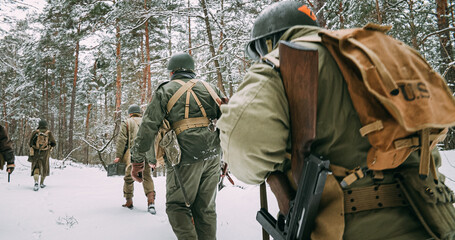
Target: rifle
x=224, y=173
x=177, y=174
x=299, y=70
x=9, y=174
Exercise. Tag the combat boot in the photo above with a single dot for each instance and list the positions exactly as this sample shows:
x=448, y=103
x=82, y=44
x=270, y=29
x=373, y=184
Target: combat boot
x=129, y=203
x=151, y=203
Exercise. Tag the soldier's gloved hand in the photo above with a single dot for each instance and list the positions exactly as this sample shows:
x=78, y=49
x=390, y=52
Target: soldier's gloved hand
x=152, y=166
x=136, y=171
x=10, y=168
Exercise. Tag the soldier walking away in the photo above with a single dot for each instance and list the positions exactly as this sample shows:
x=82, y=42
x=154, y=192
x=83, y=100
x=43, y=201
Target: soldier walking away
x=6, y=151
x=125, y=140
x=41, y=143
x=357, y=202
x=190, y=106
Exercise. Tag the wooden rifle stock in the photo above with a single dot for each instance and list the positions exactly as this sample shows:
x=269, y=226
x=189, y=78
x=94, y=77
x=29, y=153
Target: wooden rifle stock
x=299, y=71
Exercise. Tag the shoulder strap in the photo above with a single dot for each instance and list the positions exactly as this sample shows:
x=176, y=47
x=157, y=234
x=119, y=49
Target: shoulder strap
x=212, y=92
x=179, y=93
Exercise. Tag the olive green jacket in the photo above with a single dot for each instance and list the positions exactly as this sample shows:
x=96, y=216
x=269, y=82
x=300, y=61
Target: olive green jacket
x=255, y=136
x=127, y=135
x=197, y=144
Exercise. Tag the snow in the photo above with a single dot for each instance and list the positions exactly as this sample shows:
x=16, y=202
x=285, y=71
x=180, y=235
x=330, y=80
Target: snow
x=81, y=202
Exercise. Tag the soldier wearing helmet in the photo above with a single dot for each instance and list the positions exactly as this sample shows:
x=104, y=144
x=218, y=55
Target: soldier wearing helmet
x=260, y=103
x=125, y=141
x=189, y=106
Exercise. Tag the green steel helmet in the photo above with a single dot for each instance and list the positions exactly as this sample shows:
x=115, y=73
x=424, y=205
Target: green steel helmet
x=134, y=108
x=273, y=21
x=42, y=123
x=181, y=61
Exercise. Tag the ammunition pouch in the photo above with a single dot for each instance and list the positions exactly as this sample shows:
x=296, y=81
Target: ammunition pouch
x=116, y=169
x=432, y=201
x=171, y=147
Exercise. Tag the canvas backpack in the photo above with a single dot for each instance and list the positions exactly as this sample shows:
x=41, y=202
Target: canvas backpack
x=42, y=140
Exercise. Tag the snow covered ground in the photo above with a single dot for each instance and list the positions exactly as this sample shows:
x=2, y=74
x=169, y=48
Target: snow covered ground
x=81, y=202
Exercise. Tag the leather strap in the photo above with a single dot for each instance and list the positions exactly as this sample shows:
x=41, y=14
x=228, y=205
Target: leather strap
x=212, y=92
x=188, y=123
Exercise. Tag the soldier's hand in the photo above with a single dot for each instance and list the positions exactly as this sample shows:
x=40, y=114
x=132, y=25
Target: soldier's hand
x=152, y=166
x=136, y=171
x=10, y=168
x=116, y=160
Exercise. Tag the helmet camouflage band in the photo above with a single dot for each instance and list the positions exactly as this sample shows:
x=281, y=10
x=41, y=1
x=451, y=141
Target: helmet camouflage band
x=134, y=108
x=275, y=20
x=181, y=61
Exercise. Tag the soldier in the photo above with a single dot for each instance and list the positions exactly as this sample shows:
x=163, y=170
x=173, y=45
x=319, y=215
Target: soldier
x=125, y=140
x=41, y=143
x=6, y=151
x=260, y=103
x=199, y=169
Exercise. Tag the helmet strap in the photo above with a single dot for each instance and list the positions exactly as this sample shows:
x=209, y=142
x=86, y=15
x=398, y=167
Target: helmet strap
x=269, y=45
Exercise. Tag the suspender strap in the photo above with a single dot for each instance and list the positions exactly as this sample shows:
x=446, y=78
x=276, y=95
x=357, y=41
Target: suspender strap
x=424, y=152
x=187, y=104
x=198, y=103
x=188, y=123
x=180, y=92
x=212, y=92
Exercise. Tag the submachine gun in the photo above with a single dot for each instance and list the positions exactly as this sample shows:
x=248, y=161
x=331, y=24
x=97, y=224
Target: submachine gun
x=298, y=209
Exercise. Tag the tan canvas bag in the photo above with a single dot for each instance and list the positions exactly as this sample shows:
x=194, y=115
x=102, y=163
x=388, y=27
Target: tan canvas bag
x=403, y=104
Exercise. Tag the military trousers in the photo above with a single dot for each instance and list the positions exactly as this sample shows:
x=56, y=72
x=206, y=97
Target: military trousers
x=147, y=184
x=200, y=182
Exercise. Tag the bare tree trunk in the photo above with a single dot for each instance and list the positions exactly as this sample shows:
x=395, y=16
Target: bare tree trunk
x=118, y=93
x=212, y=47
x=46, y=93
x=73, y=93
x=147, y=52
x=5, y=116
x=169, y=31
x=378, y=12
x=87, y=130
x=340, y=13
x=446, y=50
x=318, y=8
x=61, y=114
x=143, y=83
x=189, y=30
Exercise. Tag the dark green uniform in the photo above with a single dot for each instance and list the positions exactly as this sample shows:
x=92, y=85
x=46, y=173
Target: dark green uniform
x=200, y=161
x=255, y=136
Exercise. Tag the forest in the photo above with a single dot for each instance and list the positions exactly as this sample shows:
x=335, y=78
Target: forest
x=79, y=64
